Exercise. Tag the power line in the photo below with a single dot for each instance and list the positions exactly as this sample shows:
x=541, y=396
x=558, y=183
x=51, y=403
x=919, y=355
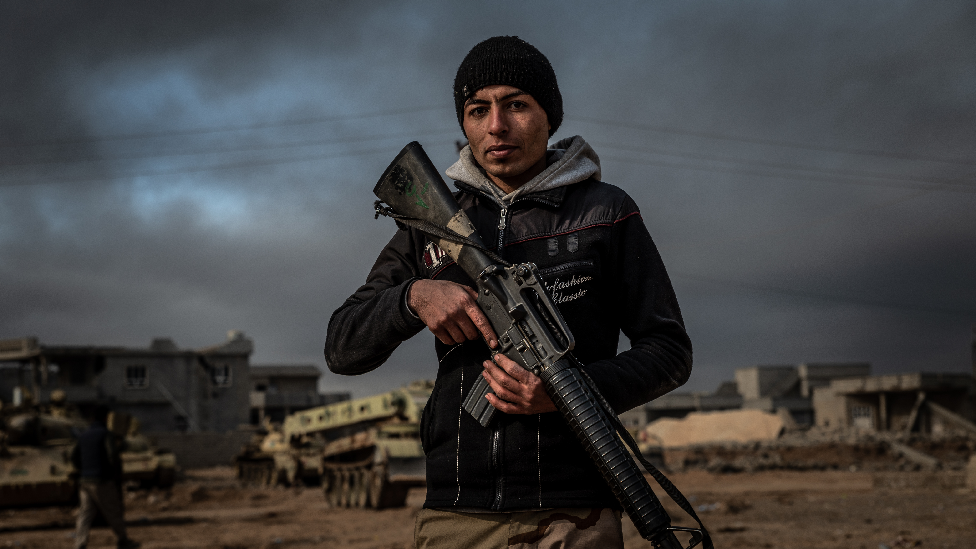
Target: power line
x=229, y=166
x=217, y=129
x=676, y=165
x=927, y=185
x=761, y=288
x=644, y=150
x=254, y=162
x=229, y=149
x=771, y=142
x=785, y=166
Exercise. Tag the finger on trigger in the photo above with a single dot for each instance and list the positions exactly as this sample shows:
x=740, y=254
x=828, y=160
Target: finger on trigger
x=481, y=321
x=487, y=332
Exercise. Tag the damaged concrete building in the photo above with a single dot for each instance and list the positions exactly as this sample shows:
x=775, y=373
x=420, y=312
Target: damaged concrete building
x=168, y=389
x=279, y=390
x=196, y=402
x=790, y=388
x=933, y=403
x=767, y=388
x=831, y=395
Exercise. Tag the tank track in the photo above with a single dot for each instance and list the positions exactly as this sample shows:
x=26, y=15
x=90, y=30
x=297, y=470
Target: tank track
x=363, y=485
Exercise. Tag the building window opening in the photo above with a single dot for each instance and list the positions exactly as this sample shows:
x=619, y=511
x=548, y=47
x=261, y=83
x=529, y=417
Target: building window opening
x=135, y=377
x=220, y=375
x=77, y=373
x=862, y=417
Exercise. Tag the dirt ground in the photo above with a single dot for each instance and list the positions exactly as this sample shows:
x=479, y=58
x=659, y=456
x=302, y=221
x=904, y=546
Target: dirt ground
x=769, y=509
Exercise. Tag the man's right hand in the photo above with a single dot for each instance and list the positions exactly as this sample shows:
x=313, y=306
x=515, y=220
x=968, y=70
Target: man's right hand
x=450, y=311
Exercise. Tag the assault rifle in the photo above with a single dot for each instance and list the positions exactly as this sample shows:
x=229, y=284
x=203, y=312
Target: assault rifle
x=532, y=332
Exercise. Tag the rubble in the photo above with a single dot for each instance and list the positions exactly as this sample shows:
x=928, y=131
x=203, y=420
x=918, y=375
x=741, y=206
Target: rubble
x=822, y=450
x=924, y=460
x=971, y=473
x=710, y=427
x=752, y=440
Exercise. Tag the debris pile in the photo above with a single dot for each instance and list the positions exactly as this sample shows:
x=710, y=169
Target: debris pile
x=752, y=440
x=730, y=426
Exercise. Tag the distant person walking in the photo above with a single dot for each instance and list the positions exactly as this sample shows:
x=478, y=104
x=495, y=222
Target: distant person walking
x=99, y=487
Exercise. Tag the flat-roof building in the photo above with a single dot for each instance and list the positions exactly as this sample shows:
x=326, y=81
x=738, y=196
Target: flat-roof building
x=279, y=390
x=165, y=387
x=925, y=402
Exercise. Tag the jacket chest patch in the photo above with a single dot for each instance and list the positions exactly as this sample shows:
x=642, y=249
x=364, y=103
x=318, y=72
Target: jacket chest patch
x=564, y=289
x=572, y=244
x=434, y=256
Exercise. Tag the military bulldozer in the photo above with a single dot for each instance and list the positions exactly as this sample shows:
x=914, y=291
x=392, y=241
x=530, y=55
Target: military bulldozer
x=364, y=452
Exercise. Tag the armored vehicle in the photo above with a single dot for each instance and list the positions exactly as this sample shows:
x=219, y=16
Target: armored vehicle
x=142, y=462
x=364, y=452
x=36, y=443
x=272, y=458
x=35, y=458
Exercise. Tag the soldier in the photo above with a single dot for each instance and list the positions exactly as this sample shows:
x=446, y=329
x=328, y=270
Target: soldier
x=59, y=406
x=96, y=456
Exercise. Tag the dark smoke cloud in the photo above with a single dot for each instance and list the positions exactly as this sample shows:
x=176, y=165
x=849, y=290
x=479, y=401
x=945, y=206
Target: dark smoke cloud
x=183, y=168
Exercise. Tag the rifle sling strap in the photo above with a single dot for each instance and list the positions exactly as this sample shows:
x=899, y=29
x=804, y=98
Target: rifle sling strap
x=435, y=230
x=662, y=480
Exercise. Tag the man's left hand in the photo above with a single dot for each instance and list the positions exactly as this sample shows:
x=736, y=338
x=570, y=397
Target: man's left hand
x=517, y=390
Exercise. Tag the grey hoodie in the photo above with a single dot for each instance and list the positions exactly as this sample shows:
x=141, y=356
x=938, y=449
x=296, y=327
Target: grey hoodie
x=571, y=160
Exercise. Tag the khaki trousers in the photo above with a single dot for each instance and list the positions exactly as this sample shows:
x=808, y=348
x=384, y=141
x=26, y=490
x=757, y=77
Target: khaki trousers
x=555, y=528
x=95, y=496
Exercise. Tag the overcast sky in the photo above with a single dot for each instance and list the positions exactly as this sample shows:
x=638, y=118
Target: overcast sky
x=180, y=169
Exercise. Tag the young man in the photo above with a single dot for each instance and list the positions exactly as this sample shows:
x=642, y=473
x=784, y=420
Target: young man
x=524, y=479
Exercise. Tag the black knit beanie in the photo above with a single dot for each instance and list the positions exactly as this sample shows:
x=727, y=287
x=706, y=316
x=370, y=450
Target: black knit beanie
x=510, y=61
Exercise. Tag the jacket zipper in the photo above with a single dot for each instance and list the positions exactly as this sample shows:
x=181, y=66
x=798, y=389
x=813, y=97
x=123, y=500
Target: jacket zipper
x=502, y=222
x=495, y=462
x=496, y=435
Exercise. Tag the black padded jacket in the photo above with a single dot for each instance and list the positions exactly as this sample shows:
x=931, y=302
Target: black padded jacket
x=604, y=273
x=96, y=456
